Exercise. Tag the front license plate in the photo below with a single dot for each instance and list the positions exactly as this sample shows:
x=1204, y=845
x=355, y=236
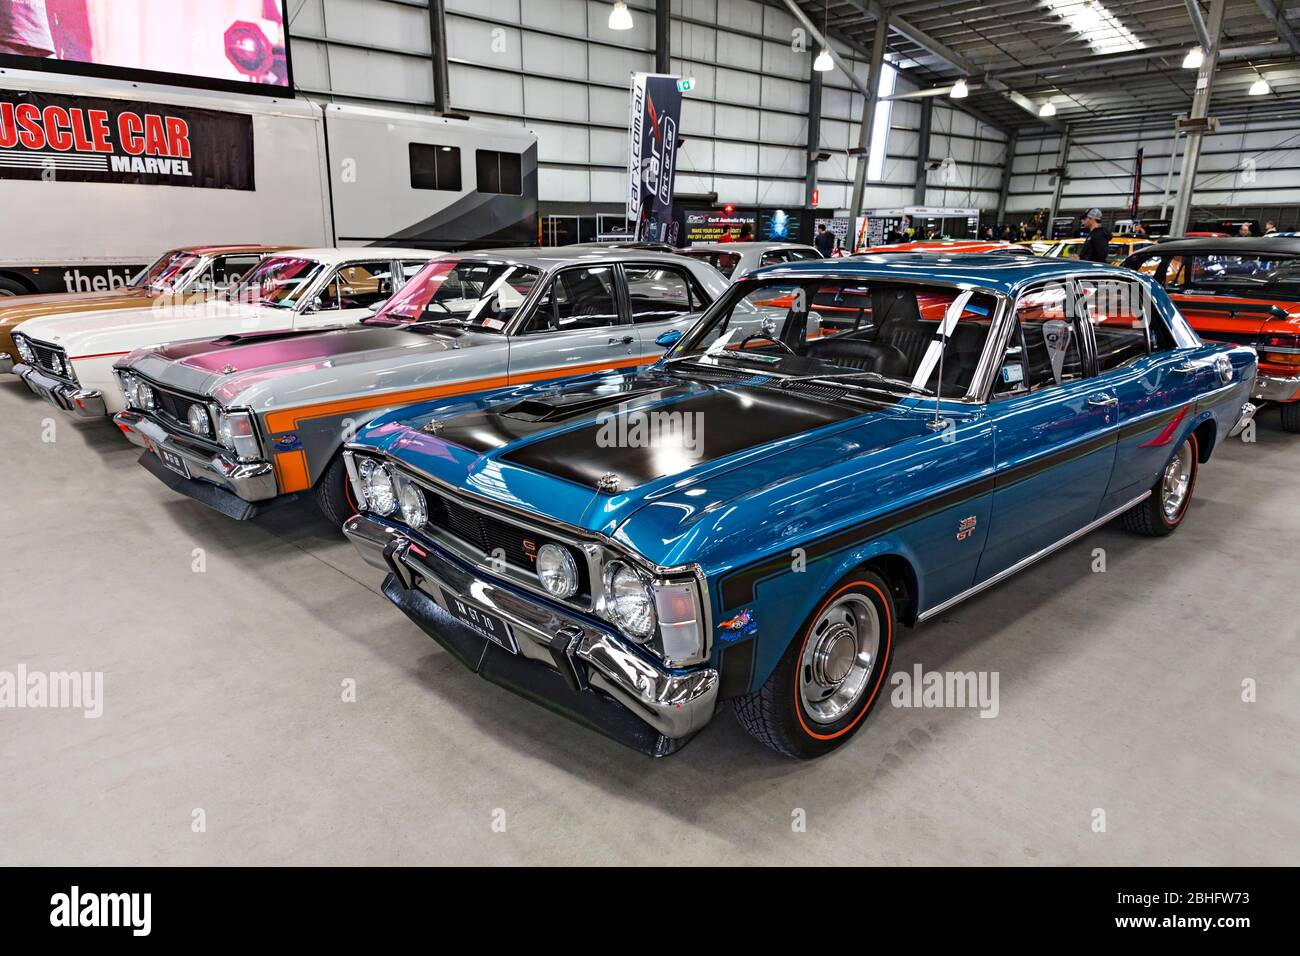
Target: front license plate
x=173, y=461
x=481, y=622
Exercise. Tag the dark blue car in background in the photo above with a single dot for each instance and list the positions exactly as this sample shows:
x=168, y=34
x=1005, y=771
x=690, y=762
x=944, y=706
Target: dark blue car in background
x=836, y=449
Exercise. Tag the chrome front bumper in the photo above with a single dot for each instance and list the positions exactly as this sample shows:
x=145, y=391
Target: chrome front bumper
x=1275, y=388
x=229, y=486
x=6, y=363
x=78, y=402
x=564, y=660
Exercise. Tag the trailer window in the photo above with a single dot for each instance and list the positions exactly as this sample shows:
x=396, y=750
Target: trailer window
x=499, y=173
x=434, y=166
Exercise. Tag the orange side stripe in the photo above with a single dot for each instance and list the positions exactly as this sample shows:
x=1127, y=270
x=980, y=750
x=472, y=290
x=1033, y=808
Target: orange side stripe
x=291, y=418
x=292, y=469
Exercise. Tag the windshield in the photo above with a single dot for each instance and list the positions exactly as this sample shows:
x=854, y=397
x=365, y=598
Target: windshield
x=278, y=282
x=171, y=271
x=1234, y=274
x=867, y=334
x=468, y=293
x=724, y=262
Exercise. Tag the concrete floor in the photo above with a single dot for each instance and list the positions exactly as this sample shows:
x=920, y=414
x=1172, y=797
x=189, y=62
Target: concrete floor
x=223, y=693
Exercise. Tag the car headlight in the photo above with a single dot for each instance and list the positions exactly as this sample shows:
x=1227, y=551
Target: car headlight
x=377, y=483
x=628, y=601
x=147, y=400
x=557, y=571
x=130, y=389
x=415, y=510
x=25, y=351
x=235, y=431
x=199, y=422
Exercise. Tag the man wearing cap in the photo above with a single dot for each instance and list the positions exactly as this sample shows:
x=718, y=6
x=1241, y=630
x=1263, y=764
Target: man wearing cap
x=1094, y=247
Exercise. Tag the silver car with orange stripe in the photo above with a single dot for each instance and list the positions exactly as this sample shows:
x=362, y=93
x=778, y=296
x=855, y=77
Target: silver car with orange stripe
x=244, y=420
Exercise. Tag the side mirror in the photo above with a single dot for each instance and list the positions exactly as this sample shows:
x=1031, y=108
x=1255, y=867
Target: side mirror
x=313, y=305
x=667, y=340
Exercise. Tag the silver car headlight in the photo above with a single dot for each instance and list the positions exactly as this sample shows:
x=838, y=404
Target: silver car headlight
x=130, y=389
x=557, y=571
x=235, y=431
x=628, y=602
x=378, y=486
x=415, y=509
x=199, y=422
x=148, y=402
x=25, y=351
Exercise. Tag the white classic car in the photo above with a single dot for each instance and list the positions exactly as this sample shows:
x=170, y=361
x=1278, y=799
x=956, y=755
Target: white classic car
x=68, y=359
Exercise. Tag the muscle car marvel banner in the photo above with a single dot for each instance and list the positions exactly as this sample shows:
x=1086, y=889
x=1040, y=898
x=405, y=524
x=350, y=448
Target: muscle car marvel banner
x=652, y=154
x=99, y=140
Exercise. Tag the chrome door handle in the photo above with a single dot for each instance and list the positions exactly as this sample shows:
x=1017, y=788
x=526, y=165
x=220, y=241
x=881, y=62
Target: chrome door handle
x=1103, y=401
x=1186, y=368
x=625, y=340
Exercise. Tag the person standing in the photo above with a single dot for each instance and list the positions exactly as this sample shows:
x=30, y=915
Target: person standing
x=1270, y=227
x=25, y=29
x=824, y=241
x=1095, y=246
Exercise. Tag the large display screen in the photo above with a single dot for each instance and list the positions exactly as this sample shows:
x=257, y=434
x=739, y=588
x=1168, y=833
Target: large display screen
x=222, y=44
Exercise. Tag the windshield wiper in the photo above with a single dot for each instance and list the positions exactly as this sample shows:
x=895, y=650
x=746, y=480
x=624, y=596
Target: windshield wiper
x=873, y=376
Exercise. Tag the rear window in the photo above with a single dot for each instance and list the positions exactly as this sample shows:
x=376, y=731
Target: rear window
x=724, y=262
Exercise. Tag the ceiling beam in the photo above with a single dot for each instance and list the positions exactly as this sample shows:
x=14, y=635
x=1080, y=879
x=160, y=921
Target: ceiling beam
x=1278, y=19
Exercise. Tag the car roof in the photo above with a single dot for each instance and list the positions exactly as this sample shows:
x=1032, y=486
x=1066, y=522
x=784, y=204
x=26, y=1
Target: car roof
x=745, y=246
x=1231, y=245
x=996, y=272
x=550, y=257
x=235, y=247
x=332, y=255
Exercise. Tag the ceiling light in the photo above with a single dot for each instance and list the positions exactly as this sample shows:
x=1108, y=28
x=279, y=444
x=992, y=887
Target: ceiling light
x=620, y=18
x=1195, y=57
x=1095, y=25
x=959, y=91
x=824, y=63
x=1047, y=109
x=1260, y=87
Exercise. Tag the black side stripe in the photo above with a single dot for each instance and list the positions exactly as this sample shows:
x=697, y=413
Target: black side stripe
x=738, y=586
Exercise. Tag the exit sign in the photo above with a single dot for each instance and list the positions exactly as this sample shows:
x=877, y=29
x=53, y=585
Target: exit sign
x=816, y=197
x=686, y=85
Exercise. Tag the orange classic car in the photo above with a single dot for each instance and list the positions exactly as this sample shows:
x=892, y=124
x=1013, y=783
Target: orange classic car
x=1240, y=290
x=176, y=272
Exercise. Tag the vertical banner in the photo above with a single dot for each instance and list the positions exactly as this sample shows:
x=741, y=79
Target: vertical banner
x=1136, y=207
x=652, y=154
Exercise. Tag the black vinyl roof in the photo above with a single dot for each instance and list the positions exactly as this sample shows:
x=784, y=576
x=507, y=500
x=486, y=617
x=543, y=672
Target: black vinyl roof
x=1226, y=246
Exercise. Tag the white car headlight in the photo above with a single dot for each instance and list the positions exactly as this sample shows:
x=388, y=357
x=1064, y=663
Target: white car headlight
x=25, y=351
x=628, y=602
x=147, y=400
x=415, y=510
x=199, y=422
x=235, y=431
x=377, y=483
x=130, y=389
x=557, y=571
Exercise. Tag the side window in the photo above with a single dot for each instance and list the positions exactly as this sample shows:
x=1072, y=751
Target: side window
x=1052, y=353
x=658, y=293
x=410, y=267
x=228, y=270
x=799, y=255
x=581, y=298
x=359, y=286
x=499, y=173
x=772, y=257
x=1118, y=313
x=435, y=167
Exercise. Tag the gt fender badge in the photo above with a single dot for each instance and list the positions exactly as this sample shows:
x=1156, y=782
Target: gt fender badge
x=742, y=625
x=966, y=528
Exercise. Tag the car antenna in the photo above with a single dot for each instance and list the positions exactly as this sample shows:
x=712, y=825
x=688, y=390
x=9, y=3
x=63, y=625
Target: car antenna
x=949, y=322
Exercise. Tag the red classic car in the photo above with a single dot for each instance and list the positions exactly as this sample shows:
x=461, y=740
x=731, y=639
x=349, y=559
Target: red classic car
x=1240, y=290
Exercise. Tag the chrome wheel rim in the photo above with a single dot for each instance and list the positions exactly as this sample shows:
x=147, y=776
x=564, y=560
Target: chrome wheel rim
x=1177, y=482
x=838, y=658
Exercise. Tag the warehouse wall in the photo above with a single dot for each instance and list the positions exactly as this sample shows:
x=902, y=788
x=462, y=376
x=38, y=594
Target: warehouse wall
x=554, y=66
x=1252, y=165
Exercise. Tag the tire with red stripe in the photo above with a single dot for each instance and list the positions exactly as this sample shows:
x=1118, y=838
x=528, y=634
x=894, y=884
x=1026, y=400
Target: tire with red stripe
x=832, y=674
x=1164, y=509
x=334, y=493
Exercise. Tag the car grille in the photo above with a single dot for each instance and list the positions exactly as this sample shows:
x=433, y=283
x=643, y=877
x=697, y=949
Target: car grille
x=45, y=357
x=492, y=536
x=175, y=406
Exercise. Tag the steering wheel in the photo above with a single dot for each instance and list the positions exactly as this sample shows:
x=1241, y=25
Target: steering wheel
x=763, y=334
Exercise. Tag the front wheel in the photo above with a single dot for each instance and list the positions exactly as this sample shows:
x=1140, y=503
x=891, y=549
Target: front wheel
x=1290, y=416
x=830, y=676
x=1163, y=510
x=334, y=494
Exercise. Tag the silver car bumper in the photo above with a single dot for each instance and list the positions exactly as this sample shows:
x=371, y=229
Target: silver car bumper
x=190, y=468
x=76, y=401
x=6, y=363
x=1275, y=388
x=559, y=658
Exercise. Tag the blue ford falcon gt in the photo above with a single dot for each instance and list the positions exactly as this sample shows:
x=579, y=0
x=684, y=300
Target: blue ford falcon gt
x=835, y=449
